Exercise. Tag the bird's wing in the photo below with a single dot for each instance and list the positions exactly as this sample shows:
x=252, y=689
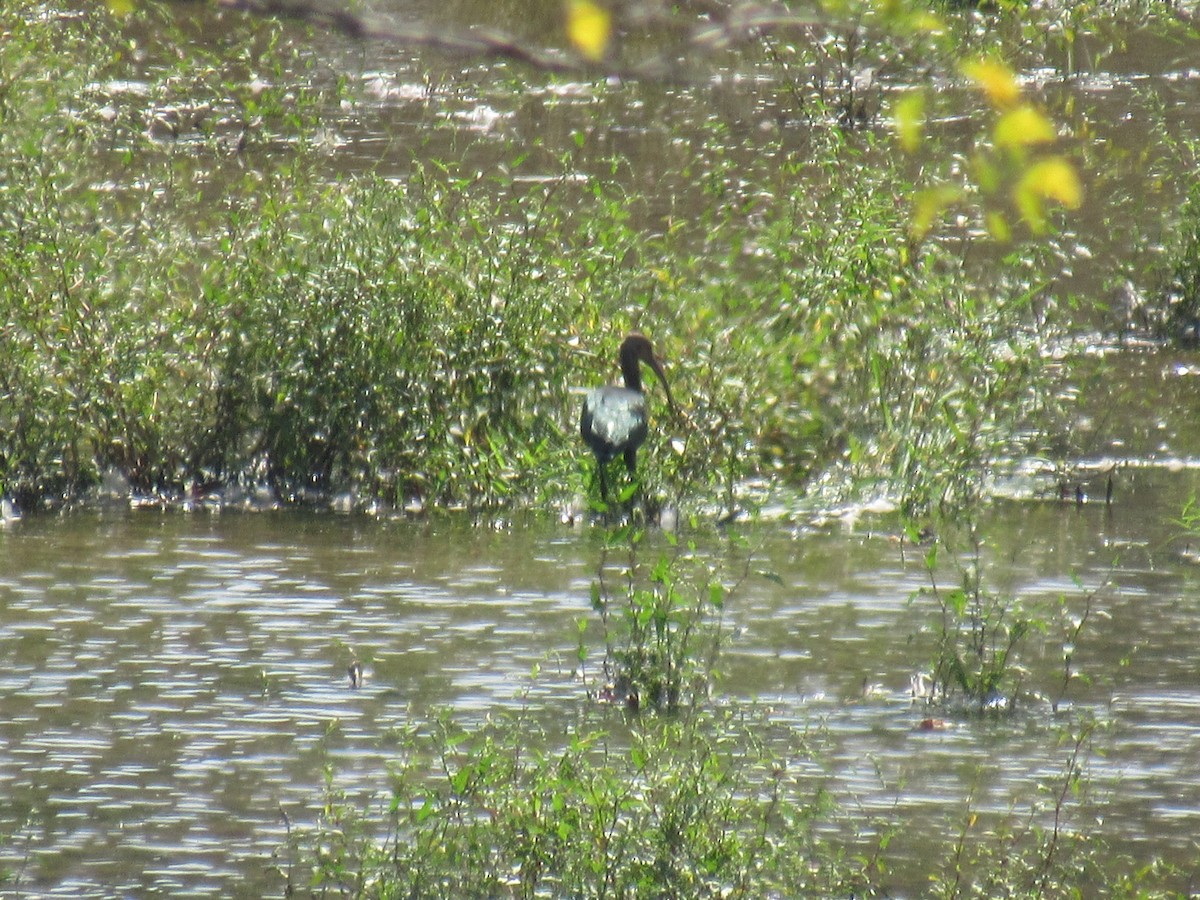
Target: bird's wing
x=617, y=416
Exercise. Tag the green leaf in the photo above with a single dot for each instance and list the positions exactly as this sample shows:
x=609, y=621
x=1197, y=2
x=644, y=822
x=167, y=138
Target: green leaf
x=460, y=779
x=597, y=598
x=428, y=808
x=716, y=595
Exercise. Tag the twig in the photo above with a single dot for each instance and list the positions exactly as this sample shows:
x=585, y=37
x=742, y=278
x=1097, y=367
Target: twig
x=1071, y=776
x=718, y=27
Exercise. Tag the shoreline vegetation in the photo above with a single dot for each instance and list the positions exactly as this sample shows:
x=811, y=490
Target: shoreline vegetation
x=201, y=307
x=196, y=307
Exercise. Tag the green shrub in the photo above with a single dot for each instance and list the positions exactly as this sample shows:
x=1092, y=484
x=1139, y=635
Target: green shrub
x=662, y=629
x=420, y=342
x=669, y=807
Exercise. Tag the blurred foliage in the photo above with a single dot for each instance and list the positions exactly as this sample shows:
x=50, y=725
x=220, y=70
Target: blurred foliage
x=197, y=308
x=695, y=805
x=1011, y=162
x=1174, y=310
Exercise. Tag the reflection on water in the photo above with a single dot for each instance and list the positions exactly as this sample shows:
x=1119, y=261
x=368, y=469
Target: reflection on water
x=173, y=682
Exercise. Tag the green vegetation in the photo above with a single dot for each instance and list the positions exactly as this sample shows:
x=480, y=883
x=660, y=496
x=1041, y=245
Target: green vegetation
x=1175, y=310
x=697, y=806
x=201, y=306
x=700, y=805
x=418, y=342
x=981, y=636
x=978, y=641
x=660, y=790
x=662, y=639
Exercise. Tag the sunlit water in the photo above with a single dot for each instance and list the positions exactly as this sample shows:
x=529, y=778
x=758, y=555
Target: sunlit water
x=174, y=684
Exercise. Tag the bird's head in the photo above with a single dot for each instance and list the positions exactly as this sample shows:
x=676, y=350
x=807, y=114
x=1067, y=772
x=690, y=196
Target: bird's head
x=636, y=349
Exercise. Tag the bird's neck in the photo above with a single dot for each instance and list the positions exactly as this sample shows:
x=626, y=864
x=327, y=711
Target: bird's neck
x=631, y=369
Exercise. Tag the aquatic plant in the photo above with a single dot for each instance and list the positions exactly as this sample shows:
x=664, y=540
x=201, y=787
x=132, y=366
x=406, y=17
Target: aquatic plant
x=981, y=636
x=1030, y=855
x=1175, y=309
x=694, y=805
x=705, y=803
x=978, y=638
x=662, y=629
x=416, y=343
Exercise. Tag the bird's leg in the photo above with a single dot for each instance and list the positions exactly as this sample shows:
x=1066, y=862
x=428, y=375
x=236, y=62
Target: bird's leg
x=631, y=465
x=603, y=482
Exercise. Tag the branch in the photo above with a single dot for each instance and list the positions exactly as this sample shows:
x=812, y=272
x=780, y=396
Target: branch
x=716, y=26
x=486, y=44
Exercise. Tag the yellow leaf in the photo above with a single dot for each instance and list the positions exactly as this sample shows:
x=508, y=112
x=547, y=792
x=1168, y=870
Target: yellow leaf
x=1023, y=126
x=928, y=205
x=589, y=27
x=995, y=79
x=1056, y=179
x=997, y=226
x=987, y=175
x=909, y=120
x=120, y=8
x=1050, y=179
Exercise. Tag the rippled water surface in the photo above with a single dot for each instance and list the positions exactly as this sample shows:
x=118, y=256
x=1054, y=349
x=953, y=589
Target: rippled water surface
x=172, y=681
x=175, y=683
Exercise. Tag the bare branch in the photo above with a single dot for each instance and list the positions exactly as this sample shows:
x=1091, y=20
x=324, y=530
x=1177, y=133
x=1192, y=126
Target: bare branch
x=706, y=25
x=485, y=44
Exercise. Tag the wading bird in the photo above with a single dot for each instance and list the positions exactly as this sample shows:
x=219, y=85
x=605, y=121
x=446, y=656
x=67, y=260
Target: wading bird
x=614, y=418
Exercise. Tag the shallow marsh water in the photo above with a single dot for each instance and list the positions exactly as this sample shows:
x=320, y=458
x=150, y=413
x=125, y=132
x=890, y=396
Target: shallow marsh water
x=175, y=683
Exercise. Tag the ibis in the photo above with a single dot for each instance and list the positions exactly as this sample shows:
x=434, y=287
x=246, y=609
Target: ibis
x=614, y=418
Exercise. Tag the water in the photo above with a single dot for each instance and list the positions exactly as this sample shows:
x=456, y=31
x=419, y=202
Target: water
x=174, y=683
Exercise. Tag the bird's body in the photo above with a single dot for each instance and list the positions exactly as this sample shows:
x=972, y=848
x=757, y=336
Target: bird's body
x=614, y=421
